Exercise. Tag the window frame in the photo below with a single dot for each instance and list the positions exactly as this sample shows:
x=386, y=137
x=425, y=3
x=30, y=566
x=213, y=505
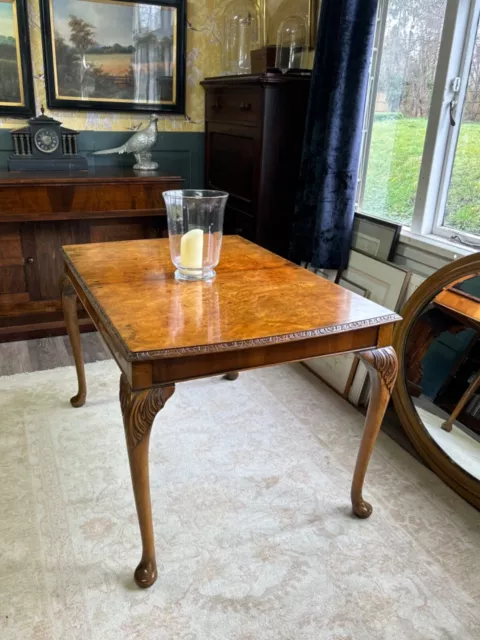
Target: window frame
x=454, y=57
x=373, y=78
x=470, y=36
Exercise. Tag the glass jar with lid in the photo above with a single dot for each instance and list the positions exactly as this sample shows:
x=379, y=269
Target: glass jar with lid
x=292, y=44
x=241, y=33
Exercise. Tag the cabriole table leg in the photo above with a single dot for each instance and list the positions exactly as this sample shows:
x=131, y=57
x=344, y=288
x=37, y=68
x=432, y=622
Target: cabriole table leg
x=69, y=304
x=382, y=366
x=139, y=409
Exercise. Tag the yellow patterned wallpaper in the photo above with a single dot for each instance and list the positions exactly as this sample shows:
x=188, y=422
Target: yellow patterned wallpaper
x=203, y=59
x=204, y=34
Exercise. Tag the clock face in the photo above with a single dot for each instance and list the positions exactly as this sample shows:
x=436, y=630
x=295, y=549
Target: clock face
x=46, y=140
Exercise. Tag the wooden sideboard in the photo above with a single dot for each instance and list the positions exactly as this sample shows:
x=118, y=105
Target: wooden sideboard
x=41, y=212
x=254, y=137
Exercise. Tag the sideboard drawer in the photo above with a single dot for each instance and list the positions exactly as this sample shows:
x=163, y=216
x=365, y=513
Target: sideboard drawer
x=241, y=106
x=63, y=202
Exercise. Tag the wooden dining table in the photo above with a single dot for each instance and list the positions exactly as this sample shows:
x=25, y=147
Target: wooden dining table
x=259, y=310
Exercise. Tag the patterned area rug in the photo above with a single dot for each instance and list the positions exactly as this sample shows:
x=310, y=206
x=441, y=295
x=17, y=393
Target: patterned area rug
x=251, y=506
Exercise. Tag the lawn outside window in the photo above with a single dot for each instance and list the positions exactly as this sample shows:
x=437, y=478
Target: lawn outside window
x=420, y=160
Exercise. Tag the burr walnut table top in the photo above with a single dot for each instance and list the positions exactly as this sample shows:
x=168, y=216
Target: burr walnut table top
x=260, y=310
x=256, y=298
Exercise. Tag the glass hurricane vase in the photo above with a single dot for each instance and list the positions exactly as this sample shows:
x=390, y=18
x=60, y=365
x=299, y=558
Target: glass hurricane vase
x=195, y=230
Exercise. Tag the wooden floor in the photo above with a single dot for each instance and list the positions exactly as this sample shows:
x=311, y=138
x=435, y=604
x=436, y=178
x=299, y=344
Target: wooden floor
x=47, y=353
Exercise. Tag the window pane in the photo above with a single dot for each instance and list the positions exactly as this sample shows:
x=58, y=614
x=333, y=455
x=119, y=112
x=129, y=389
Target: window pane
x=407, y=71
x=463, y=202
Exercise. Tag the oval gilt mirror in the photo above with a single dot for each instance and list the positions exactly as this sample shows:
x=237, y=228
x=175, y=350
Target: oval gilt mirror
x=437, y=394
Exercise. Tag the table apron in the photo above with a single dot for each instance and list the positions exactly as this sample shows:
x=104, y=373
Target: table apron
x=182, y=368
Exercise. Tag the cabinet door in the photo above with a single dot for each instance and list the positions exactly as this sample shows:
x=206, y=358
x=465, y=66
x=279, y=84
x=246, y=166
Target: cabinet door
x=116, y=229
x=240, y=224
x=13, y=285
x=42, y=243
x=233, y=159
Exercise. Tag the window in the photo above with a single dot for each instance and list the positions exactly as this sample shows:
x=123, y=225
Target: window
x=420, y=160
x=462, y=211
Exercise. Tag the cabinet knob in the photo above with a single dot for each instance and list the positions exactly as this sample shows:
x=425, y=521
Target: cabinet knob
x=245, y=106
x=30, y=261
x=216, y=106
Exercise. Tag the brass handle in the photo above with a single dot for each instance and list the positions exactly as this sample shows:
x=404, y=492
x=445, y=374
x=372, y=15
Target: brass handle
x=245, y=106
x=30, y=261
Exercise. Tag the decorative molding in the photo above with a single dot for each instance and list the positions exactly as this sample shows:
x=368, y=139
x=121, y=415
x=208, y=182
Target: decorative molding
x=260, y=342
x=384, y=361
x=139, y=409
x=135, y=356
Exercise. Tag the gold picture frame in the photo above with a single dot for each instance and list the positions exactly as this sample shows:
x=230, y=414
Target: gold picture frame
x=273, y=15
x=115, y=55
x=16, y=84
x=313, y=16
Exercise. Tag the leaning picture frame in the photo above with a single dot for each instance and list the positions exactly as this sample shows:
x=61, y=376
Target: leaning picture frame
x=338, y=371
x=379, y=238
x=16, y=79
x=115, y=55
x=386, y=284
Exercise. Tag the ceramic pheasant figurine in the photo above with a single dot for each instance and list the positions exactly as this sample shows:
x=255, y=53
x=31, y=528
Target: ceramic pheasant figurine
x=140, y=144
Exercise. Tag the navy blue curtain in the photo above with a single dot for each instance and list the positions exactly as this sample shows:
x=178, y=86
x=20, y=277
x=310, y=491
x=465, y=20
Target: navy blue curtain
x=323, y=218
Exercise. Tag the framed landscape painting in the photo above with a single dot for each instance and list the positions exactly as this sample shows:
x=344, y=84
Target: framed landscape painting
x=115, y=55
x=16, y=85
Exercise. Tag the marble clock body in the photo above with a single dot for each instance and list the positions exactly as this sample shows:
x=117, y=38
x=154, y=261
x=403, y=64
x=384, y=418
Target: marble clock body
x=44, y=145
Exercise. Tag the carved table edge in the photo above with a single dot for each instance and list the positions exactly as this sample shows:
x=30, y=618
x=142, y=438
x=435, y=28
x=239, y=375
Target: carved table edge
x=260, y=342
x=138, y=356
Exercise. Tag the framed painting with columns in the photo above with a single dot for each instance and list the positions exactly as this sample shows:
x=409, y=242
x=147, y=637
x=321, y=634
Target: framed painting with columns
x=115, y=55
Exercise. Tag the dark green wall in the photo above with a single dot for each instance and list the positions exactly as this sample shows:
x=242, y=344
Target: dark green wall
x=176, y=153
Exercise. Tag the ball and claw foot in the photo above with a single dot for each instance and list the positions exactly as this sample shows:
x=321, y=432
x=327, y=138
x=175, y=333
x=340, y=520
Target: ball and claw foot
x=145, y=575
x=233, y=375
x=78, y=400
x=362, y=509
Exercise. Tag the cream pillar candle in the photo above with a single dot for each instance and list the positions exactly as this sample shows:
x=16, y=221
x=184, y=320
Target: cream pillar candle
x=191, y=249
